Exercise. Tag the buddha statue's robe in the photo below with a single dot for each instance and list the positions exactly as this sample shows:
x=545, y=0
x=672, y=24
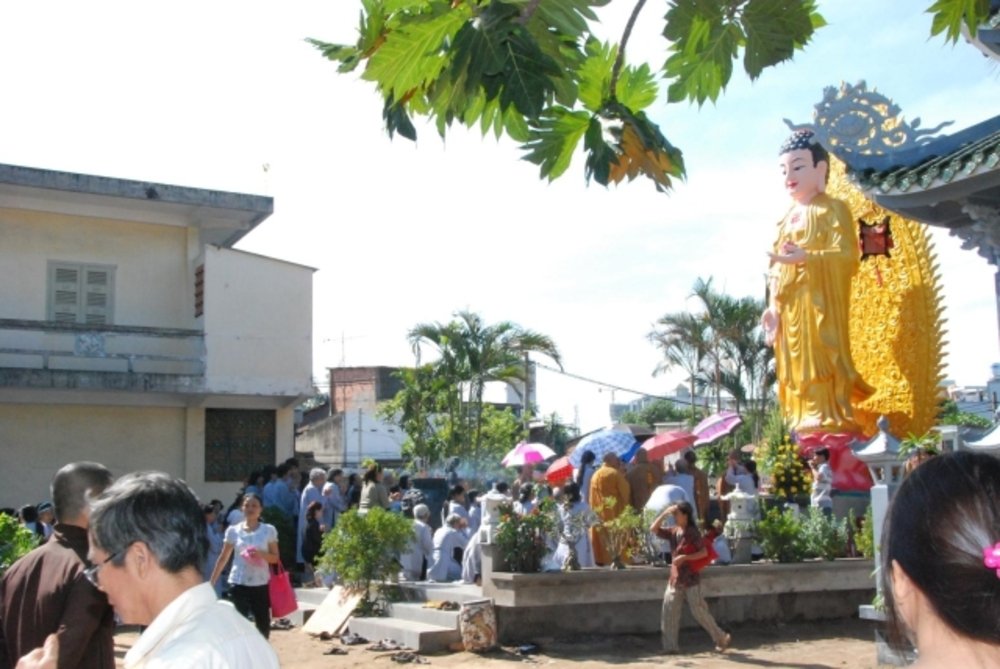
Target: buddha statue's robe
x=818, y=384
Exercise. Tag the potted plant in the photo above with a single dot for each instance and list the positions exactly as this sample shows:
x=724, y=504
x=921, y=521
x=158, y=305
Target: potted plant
x=521, y=540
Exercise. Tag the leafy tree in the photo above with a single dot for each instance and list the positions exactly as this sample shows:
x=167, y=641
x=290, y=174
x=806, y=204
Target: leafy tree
x=473, y=353
x=950, y=414
x=364, y=551
x=15, y=541
x=682, y=337
x=424, y=408
x=535, y=71
x=660, y=411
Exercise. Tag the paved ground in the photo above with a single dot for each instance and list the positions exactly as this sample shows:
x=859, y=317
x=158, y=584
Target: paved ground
x=828, y=645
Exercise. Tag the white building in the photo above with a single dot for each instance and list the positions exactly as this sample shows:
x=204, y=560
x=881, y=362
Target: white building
x=133, y=334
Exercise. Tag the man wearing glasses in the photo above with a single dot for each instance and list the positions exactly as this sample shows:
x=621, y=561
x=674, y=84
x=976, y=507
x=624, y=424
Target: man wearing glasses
x=46, y=592
x=147, y=548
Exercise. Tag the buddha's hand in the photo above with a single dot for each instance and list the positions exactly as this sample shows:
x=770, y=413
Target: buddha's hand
x=769, y=323
x=791, y=254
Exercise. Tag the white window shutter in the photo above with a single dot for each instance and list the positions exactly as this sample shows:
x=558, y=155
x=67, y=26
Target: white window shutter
x=65, y=294
x=97, y=292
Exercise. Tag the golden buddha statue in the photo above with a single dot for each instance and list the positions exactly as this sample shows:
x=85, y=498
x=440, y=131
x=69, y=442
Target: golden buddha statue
x=812, y=262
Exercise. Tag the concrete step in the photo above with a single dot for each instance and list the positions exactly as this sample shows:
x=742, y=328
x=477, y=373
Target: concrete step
x=420, y=591
x=416, y=611
x=418, y=636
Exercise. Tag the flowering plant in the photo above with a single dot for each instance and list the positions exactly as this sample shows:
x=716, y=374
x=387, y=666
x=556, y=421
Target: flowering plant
x=521, y=539
x=789, y=477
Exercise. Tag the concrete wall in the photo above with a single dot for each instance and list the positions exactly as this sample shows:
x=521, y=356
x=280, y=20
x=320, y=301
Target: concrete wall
x=37, y=440
x=628, y=601
x=258, y=324
x=347, y=439
x=151, y=286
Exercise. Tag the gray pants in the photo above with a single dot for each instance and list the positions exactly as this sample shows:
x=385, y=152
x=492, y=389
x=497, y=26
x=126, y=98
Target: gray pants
x=670, y=616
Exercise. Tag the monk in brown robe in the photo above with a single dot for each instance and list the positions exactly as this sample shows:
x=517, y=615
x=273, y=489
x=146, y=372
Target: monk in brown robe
x=609, y=493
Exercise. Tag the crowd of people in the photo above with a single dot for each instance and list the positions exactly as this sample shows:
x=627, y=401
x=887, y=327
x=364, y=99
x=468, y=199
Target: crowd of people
x=144, y=550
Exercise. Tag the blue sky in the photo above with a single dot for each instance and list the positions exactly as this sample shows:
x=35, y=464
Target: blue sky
x=207, y=94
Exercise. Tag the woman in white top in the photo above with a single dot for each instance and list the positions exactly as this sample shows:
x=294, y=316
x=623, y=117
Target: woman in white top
x=575, y=521
x=526, y=501
x=254, y=546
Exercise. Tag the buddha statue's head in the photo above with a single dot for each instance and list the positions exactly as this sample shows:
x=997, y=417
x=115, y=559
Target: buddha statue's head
x=805, y=165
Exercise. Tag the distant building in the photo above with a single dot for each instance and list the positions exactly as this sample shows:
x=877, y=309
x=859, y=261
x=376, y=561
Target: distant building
x=134, y=334
x=351, y=432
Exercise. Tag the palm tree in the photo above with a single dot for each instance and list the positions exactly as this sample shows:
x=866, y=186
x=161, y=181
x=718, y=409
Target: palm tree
x=683, y=339
x=477, y=353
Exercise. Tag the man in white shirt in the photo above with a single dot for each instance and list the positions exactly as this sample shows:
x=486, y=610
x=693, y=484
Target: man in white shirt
x=147, y=542
x=822, y=483
x=313, y=492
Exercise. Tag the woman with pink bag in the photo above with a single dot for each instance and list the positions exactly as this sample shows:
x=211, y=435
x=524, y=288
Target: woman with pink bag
x=254, y=546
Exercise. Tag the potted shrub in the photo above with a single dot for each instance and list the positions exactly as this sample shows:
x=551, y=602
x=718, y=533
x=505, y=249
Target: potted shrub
x=363, y=550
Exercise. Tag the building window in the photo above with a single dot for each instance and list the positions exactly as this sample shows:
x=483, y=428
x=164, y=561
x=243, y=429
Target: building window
x=238, y=441
x=81, y=293
x=199, y=291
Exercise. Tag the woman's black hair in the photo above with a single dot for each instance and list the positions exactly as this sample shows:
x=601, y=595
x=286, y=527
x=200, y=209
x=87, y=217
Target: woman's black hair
x=586, y=459
x=945, y=513
x=572, y=493
x=688, y=511
x=751, y=468
x=526, y=492
x=456, y=491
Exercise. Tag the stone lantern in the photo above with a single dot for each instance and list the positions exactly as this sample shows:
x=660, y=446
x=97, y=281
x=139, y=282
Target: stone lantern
x=881, y=455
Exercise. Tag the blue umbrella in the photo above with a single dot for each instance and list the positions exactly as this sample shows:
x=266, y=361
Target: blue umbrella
x=601, y=443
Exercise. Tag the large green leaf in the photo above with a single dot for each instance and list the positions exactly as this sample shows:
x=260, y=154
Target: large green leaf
x=413, y=54
x=949, y=15
x=774, y=29
x=595, y=74
x=554, y=140
x=702, y=73
x=636, y=87
x=704, y=42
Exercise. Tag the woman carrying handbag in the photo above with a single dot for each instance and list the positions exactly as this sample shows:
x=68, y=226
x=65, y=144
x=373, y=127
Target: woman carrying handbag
x=253, y=546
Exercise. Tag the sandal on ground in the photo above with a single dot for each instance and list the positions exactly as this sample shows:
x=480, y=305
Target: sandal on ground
x=352, y=639
x=282, y=624
x=335, y=650
x=385, y=644
x=406, y=656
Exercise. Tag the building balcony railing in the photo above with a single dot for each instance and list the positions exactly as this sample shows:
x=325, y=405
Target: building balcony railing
x=52, y=346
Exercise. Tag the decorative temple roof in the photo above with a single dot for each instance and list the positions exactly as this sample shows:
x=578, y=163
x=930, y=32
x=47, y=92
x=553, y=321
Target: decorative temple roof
x=950, y=181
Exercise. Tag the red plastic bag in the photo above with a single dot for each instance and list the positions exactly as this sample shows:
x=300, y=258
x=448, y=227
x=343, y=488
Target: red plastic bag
x=282, y=595
x=710, y=556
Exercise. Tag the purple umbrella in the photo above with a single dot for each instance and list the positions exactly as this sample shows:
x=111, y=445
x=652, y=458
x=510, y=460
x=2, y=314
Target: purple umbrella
x=715, y=426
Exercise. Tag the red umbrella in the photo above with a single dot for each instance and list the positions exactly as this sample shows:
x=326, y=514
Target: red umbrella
x=559, y=470
x=665, y=443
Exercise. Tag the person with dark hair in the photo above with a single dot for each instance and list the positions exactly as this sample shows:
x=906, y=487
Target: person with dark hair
x=525, y=500
x=147, y=546
x=813, y=260
x=275, y=488
x=312, y=539
x=353, y=491
x=822, y=481
x=47, y=592
x=313, y=492
x=502, y=487
x=214, y=544
x=456, y=503
x=234, y=514
x=941, y=561
x=256, y=482
x=584, y=473
x=373, y=492
x=575, y=521
x=688, y=552
x=253, y=545
x=28, y=516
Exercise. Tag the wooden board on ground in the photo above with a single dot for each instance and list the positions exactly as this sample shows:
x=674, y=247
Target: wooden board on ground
x=333, y=613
